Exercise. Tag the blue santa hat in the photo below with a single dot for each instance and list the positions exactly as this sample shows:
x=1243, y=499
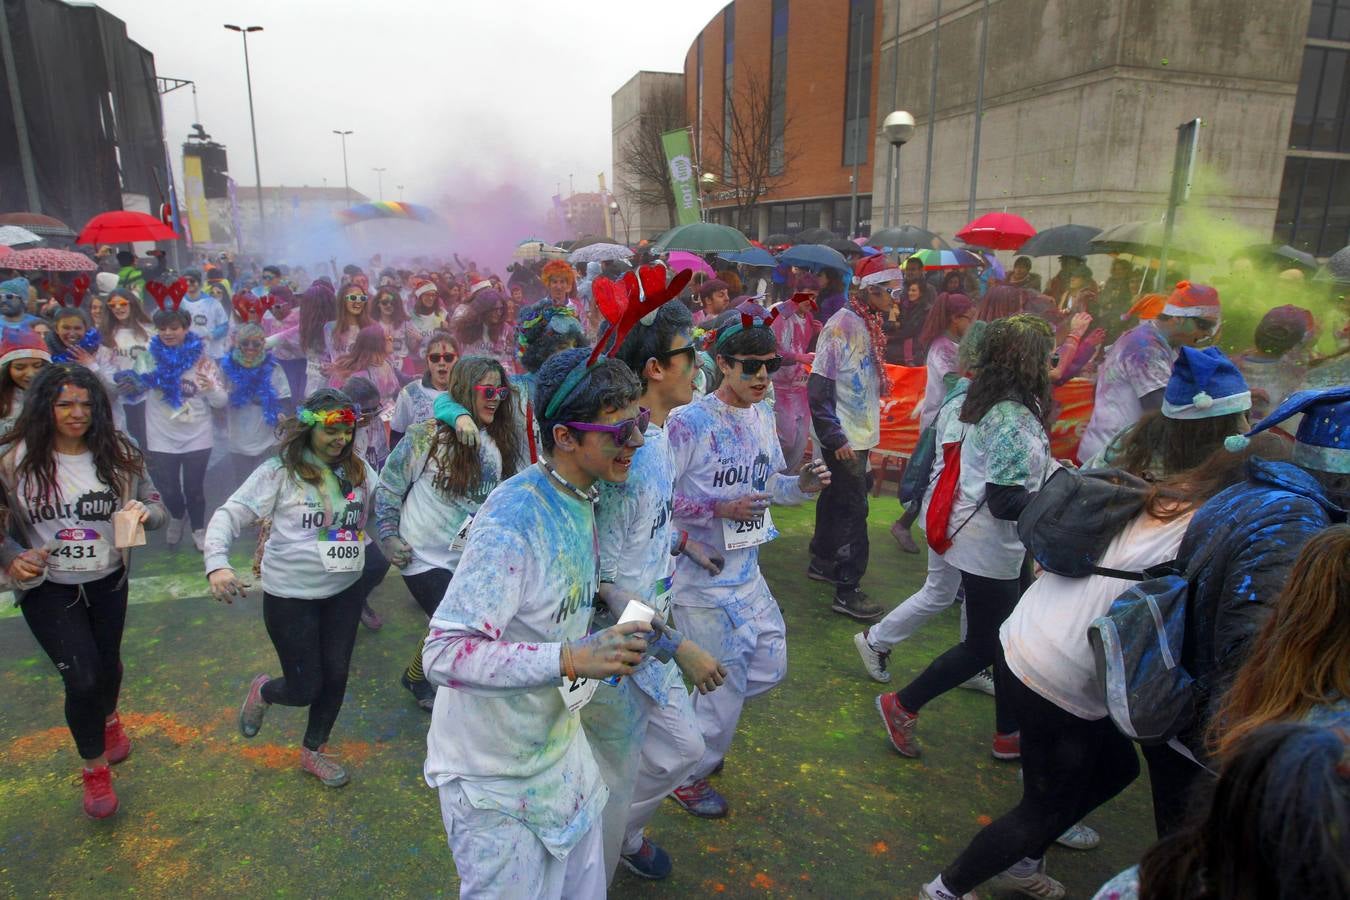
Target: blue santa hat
x=1323, y=439
x=1204, y=385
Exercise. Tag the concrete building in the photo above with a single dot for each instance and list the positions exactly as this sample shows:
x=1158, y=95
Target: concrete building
x=639, y=112
x=802, y=75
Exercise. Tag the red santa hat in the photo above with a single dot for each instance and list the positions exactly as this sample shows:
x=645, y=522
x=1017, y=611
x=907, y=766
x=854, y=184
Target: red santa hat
x=422, y=286
x=22, y=343
x=1194, y=301
x=877, y=270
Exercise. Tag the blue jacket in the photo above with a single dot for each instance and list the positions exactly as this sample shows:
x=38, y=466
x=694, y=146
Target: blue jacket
x=1260, y=526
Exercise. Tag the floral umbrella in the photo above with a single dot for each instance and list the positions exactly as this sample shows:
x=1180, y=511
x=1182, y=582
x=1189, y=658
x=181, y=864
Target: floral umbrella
x=45, y=259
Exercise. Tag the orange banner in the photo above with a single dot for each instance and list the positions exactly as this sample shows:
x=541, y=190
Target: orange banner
x=900, y=424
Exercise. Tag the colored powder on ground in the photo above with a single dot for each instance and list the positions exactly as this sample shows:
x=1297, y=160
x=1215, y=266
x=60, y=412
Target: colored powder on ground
x=37, y=745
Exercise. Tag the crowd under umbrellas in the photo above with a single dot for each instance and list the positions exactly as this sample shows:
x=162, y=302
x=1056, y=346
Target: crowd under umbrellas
x=422, y=403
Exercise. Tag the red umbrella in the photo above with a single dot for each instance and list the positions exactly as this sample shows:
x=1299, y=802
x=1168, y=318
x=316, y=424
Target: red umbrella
x=998, y=231
x=45, y=259
x=122, y=226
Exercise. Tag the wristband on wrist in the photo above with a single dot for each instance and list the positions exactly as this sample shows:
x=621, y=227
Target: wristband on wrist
x=684, y=542
x=569, y=668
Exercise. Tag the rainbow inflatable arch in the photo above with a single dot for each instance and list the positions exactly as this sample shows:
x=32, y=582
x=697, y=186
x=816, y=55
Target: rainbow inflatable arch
x=387, y=209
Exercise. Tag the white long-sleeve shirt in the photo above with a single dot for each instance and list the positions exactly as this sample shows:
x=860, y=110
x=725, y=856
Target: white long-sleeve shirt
x=722, y=452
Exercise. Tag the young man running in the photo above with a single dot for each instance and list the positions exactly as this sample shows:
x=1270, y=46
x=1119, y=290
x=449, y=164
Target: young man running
x=644, y=734
x=727, y=464
x=521, y=796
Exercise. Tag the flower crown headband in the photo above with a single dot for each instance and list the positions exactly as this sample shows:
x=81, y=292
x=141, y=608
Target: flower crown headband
x=328, y=417
x=635, y=298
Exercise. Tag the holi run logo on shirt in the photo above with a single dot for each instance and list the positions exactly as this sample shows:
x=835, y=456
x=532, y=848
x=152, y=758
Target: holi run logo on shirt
x=574, y=601
x=753, y=476
x=662, y=517
x=348, y=517
x=91, y=506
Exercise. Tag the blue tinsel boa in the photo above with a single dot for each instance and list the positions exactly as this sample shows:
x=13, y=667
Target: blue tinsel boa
x=171, y=363
x=89, y=344
x=253, y=386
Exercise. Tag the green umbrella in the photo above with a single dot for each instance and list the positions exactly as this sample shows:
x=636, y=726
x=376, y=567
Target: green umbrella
x=702, y=237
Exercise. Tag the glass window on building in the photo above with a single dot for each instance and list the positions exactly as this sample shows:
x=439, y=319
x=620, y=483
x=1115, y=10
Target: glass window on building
x=777, y=219
x=1330, y=20
x=810, y=215
x=1323, y=101
x=858, y=82
x=778, y=72
x=1314, y=210
x=793, y=219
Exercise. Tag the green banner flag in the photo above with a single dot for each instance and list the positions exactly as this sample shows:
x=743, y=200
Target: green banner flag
x=680, y=161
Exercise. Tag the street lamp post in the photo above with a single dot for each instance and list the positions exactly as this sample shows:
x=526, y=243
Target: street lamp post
x=379, y=175
x=898, y=128
x=706, y=182
x=400, y=192
x=244, y=32
x=346, y=183
x=614, y=221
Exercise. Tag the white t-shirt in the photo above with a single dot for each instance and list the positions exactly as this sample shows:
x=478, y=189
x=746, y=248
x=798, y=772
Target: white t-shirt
x=1045, y=638
x=408, y=503
x=414, y=404
x=1008, y=446
x=76, y=524
x=301, y=515
x=250, y=434
x=207, y=315
x=942, y=354
x=1136, y=365
x=844, y=355
x=525, y=584
x=722, y=452
x=188, y=427
x=636, y=521
x=127, y=348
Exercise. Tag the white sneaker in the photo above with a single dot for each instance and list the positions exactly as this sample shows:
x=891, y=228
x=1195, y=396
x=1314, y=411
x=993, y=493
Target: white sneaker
x=1079, y=837
x=983, y=682
x=929, y=892
x=1038, y=884
x=174, y=533
x=199, y=539
x=874, y=661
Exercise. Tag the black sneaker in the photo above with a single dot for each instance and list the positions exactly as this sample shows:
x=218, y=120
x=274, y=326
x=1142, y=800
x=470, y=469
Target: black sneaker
x=818, y=572
x=423, y=691
x=856, y=605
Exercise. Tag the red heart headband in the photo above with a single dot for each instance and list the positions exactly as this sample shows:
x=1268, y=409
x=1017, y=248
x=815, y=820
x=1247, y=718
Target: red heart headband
x=250, y=307
x=807, y=298
x=170, y=294
x=634, y=299
x=713, y=338
x=73, y=293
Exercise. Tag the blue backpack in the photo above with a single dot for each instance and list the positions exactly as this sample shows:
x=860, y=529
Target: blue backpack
x=1137, y=647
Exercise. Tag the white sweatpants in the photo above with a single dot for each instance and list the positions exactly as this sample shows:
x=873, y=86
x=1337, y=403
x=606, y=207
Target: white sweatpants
x=498, y=857
x=938, y=592
x=749, y=639
x=671, y=749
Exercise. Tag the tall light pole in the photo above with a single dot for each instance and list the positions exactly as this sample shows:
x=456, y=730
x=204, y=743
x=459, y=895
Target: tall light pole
x=898, y=128
x=400, y=192
x=346, y=183
x=379, y=175
x=244, y=32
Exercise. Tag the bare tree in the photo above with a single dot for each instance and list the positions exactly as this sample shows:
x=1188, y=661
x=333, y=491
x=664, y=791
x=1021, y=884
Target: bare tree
x=642, y=171
x=755, y=155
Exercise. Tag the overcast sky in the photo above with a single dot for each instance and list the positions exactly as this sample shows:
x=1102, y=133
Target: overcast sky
x=445, y=94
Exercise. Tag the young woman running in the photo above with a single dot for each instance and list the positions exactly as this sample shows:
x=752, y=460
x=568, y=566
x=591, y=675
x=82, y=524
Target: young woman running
x=369, y=358
x=351, y=318
x=126, y=332
x=432, y=486
x=182, y=384
x=482, y=330
x=390, y=314
x=285, y=314
x=317, y=494
x=416, y=402
x=67, y=470
x=428, y=315
x=307, y=338
x=23, y=353
x=259, y=395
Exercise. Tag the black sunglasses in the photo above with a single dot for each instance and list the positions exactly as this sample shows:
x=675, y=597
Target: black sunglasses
x=668, y=354
x=751, y=366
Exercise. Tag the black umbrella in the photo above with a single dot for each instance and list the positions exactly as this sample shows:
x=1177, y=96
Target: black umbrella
x=1337, y=269
x=1270, y=254
x=1062, y=240
x=845, y=247
x=778, y=240
x=815, y=236
x=1146, y=239
x=908, y=238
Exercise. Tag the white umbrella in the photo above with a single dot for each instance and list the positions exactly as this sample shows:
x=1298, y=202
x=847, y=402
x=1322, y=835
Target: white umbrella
x=538, y=250
x=599, y=253
x=13, y=235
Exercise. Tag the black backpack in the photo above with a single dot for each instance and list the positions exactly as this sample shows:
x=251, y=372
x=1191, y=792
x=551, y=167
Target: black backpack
x=1070, y=521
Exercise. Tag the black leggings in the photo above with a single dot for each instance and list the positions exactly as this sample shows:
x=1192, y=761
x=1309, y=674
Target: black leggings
x=373, y=572
x=135, y=413
x=1172, y=779
x=314, y=640
x=1070, y=766
x=80, y=628
x=988, y=602
x=181, y=479
x=428, y=588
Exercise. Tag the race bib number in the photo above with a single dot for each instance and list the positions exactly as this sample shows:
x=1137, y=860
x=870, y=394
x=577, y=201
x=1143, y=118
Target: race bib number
x=739, y=535
x=661, y=592
x=80, y=550
x=576, y=694
x=342, y=550
x=461, y=536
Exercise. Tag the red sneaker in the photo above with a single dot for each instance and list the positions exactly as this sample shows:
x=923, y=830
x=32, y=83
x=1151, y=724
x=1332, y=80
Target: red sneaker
x=900, y=724
x=116, y=744
x=100, y=801
x=1008, y=746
